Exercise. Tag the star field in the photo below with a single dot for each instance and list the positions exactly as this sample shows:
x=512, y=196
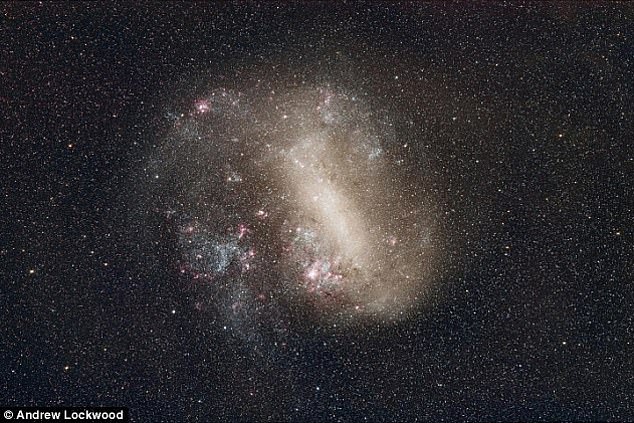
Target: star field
x=318, y=211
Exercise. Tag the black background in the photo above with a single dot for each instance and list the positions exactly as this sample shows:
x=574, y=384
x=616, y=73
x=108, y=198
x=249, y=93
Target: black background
x=525, y=112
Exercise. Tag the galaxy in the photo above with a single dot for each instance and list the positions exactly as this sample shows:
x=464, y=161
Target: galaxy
x=318, y=211
x=293, y=200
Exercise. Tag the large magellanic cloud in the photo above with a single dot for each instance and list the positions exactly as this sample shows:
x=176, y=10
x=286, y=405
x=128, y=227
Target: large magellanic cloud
x=292, y=208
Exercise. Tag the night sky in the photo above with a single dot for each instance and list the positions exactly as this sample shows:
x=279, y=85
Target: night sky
x=318, y=211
